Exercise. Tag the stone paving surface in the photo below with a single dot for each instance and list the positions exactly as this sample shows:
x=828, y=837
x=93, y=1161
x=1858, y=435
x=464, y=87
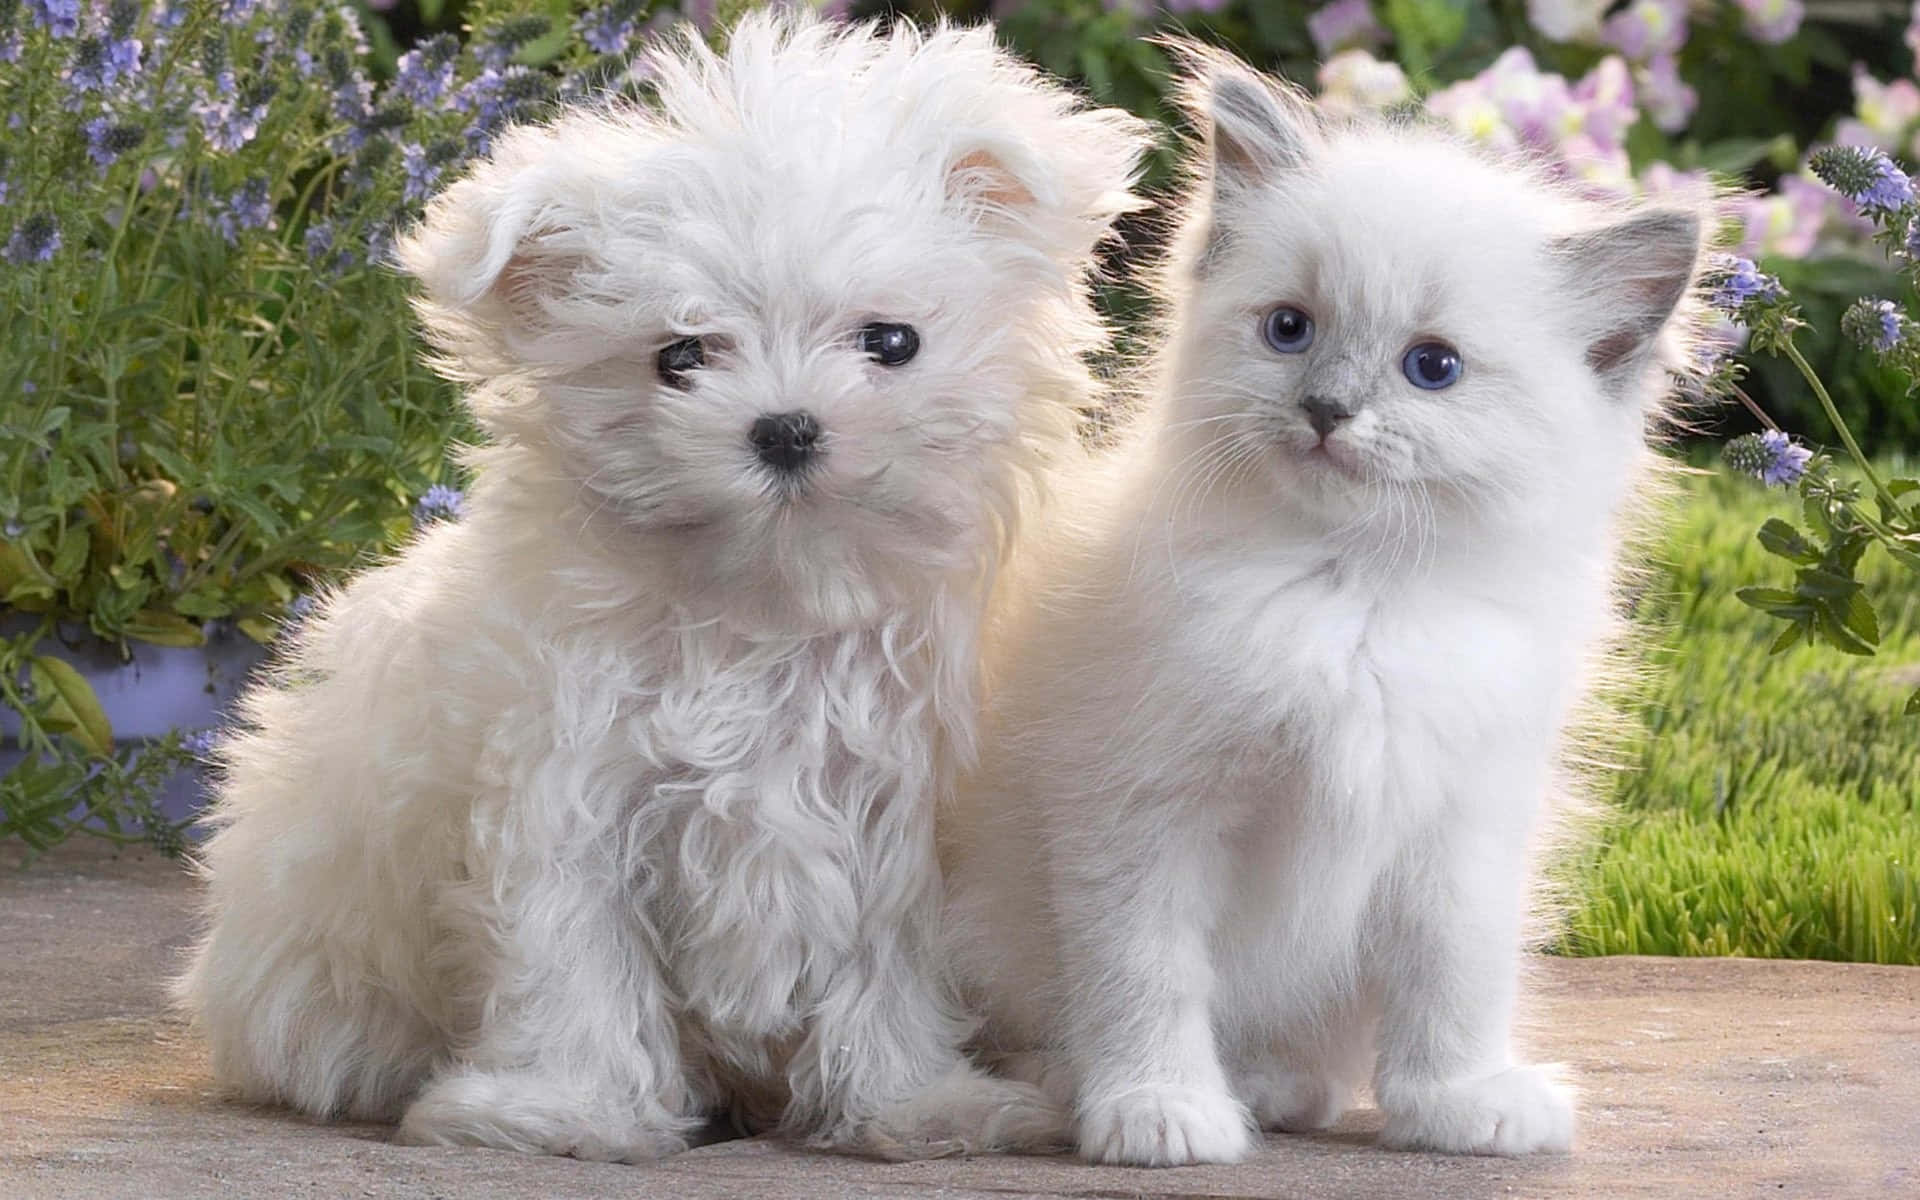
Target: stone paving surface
x=1721, y=1078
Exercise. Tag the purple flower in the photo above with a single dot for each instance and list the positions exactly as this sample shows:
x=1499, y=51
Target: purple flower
x=59, y=17
x=201, y=744
x=1786, y=462
x=1875, y=323
x=107, y=141
x=318, y=239
x=1669, y=101
x=439, y=502
x=14, y=529
x=1343, y=24
x=1890, y=327
x=1864, y=175
x=421, y=171
x=249, y=208
x=10, y=48
x=1648, y=27
x=1741, y=284
x=1772, y=21
x=34, y=240
x=425, y=73
x=605, y=30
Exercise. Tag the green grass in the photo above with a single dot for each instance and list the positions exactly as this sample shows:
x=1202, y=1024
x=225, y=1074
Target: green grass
x=1769, y=806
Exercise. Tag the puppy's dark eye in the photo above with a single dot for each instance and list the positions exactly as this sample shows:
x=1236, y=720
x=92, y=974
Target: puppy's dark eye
x=1288, y=330
x=889, y=344
x=678, y=359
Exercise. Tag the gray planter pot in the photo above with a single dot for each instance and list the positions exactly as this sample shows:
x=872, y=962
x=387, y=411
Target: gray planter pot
x=160, y=689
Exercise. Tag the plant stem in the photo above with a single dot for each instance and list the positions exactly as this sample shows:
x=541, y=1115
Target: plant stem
x=1833, y=414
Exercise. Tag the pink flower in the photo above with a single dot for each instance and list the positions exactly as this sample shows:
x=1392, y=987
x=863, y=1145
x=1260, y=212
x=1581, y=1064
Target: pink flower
x=1343, y=24
x=1647, y=28
x=1788, y=222
x=1605, y=99
x=1354, y=79
x=1663, y=180
x=1669, y=100
x=1886, y=111
x=1772, y=21
x=1566, y=20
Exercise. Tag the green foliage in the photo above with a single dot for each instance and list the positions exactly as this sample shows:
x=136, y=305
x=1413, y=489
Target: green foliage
x=1768, y=805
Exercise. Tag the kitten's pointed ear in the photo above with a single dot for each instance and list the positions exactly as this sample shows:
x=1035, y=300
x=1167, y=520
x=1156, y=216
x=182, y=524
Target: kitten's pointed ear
x=1628, y=278
x=1255, y=128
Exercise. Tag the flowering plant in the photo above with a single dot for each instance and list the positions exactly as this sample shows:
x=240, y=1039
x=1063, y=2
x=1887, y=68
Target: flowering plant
x=1843, y=518
x=209, y=390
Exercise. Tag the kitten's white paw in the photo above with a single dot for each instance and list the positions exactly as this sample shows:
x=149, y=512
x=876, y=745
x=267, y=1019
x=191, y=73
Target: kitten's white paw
x=1161, y=1126
x=533, y=1116
x=1522, y=1110
x=1293, y=1101
x=966, y=1113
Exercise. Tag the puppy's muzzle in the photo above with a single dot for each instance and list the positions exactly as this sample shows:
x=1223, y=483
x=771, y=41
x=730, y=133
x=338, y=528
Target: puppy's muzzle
x=785, y=441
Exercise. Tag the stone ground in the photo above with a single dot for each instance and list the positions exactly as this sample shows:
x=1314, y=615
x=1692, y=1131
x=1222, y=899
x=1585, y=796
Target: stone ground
x=1701, y=1077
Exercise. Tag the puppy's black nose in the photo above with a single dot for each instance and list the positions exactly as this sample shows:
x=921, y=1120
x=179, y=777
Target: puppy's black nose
x=1324, y=414
x=785, y=440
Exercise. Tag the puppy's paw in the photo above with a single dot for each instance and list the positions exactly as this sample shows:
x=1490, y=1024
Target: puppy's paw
x=1293, y=1101
x=965, y=1113
x=533, y=1116
x=1522, y=1110
x=1165, y=1126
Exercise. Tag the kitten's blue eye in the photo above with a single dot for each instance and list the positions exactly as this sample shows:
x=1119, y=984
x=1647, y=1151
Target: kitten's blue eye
x=1288, y=330
x=1432, y=365
x=889, y=344
x=677, y=359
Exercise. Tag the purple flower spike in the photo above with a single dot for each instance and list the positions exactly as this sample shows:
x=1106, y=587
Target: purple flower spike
x=1786, y=462
x=34, y=240
x=61, y=18
x=440, y=502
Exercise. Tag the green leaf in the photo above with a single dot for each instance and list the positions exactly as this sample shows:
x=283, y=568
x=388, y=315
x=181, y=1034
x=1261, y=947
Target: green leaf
x=71, y=555
x=1773, y=600
x=1858, y=616
x=1789, y=636
x=1913, y=704
x=1834, y=629
x=1783, y=539
x=72, y=706
x=1828, y=585
x=164, y=629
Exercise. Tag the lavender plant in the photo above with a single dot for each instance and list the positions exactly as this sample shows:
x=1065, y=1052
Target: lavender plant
x=1843, y=518
x=209, y=398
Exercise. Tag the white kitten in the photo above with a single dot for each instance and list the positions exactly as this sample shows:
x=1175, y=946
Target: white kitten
x=611, y=804
x=1279, y=712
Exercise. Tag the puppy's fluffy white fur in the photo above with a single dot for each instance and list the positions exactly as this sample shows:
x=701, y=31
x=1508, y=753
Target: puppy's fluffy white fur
x=1277, y=717
x=611, y=804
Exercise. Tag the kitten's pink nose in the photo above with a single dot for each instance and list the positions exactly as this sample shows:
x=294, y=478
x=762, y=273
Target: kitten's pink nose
x=1325, y=415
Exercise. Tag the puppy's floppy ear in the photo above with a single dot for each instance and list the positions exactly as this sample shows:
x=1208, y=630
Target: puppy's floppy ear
x=500, y=250
x=1253, y=129
x=1024, y=155
x=1627, y=279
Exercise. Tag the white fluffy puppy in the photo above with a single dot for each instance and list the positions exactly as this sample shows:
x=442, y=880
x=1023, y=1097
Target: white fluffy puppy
x=611, y=804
